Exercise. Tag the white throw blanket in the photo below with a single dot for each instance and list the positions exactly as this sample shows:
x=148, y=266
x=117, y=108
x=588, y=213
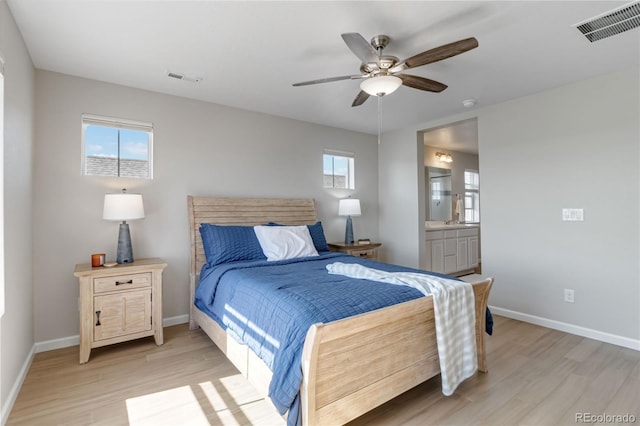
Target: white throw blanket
x=454, y=312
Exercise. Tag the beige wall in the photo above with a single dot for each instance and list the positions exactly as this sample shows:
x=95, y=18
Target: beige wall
x=539, y=154
x=199, y=148
x=16, y=326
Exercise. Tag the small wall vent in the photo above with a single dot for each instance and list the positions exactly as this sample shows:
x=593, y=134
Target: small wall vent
x=183, y=77
x=610, y=23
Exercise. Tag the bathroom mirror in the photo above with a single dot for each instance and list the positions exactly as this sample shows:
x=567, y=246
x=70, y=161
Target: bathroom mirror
x=438, y=186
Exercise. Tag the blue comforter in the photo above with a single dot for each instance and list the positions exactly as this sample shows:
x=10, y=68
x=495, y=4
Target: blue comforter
x=269, y=306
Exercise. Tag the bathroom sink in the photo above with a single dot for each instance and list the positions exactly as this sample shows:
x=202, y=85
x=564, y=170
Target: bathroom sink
x=441, y=225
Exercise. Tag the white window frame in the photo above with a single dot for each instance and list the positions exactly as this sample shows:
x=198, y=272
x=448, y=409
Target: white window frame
x=436, y=190
x=472, y=211
x=117, y=123
x=351, y=172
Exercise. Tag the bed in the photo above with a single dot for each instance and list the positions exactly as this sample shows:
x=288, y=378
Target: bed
x=349, y=366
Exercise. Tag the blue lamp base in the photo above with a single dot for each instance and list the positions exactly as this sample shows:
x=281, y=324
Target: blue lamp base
x=348, y=233
x=125, y=251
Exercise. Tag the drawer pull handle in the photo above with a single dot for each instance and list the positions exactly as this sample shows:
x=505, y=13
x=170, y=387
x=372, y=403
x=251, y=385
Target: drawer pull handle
x=124, y=282
x=98, y=318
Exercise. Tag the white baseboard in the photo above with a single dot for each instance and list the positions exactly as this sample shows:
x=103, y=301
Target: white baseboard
x=180, y=319
x=65, y=342
x=15, y=389
x=569, y=328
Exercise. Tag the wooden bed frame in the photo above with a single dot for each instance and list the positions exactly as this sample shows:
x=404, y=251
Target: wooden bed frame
x=352, y=365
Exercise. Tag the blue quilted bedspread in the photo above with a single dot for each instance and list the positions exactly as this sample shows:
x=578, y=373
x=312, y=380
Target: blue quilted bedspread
x=269, y=306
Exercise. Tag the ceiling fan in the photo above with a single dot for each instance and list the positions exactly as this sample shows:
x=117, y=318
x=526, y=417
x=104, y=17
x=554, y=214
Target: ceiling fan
x=381, y=73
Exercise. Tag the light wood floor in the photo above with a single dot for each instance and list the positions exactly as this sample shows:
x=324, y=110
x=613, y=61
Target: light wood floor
x=537, y=376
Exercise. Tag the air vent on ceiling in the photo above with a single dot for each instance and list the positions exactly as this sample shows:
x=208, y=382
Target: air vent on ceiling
x=183, y=77
x=610, y=23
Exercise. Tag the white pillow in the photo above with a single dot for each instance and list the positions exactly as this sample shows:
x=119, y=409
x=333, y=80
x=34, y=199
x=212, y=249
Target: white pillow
x=285, y=242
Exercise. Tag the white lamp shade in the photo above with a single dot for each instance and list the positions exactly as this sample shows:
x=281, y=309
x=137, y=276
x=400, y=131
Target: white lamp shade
x=123, y=207
x=349, y=207
x=381, y=85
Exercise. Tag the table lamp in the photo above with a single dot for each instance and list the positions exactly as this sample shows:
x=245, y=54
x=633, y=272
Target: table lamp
x=123, y=207
x=349, y=207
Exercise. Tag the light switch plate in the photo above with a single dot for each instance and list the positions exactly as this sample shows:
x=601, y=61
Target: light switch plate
x=573, y=215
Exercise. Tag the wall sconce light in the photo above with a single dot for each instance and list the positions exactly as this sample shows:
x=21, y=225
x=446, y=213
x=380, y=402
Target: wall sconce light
x=444, y=157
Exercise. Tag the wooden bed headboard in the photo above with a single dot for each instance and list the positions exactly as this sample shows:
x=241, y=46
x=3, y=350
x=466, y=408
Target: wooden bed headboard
x=242, y=211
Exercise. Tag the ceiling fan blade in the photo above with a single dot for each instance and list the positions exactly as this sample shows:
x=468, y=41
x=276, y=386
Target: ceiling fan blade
x=421, y=83
x=437, y=54
x=360, y=98
x=360, y=47
x=330, y=79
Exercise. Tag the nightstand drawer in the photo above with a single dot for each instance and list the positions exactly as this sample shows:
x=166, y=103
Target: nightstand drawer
x=369, y=254
x=363, y=251
x=121, y=282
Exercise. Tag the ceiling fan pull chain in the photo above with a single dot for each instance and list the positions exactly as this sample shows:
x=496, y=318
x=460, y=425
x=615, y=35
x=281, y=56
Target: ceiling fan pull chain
x=379, y=119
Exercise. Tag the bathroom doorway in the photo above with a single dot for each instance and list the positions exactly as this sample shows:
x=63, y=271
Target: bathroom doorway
x=450, y=189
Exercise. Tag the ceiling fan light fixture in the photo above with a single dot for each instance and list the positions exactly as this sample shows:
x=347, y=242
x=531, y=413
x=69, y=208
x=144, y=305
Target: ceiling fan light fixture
x=381, y=85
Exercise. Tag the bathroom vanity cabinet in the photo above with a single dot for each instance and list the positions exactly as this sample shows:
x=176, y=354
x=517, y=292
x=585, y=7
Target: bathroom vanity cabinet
x=453, y=249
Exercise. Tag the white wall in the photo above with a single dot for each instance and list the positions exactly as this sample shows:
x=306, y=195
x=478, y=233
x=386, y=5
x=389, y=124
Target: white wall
x=552, y=150
x=537, y=155
x=16, y=335
x=199, y=148
x=401, y=211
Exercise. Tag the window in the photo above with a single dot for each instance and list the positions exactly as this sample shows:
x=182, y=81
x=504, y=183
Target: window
x=339, y=169
x=436, y=189
x=116, y=147
x=471, y=196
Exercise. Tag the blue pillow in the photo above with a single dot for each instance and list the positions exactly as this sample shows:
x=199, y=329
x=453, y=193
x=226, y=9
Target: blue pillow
x=224, y=244
x=317, y=235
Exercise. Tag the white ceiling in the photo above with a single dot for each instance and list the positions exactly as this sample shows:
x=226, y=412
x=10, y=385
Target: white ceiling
x=459, y=136
x=249, y=53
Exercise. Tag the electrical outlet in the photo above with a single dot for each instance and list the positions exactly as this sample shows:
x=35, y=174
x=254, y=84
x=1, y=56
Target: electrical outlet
x=568, y=295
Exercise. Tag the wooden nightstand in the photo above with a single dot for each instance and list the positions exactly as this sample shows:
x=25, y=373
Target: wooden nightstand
x=366, y=251
x=119, y=303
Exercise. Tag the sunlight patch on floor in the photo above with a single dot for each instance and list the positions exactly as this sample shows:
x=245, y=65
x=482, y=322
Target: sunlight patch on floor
x=227, y=400
x=170, y=407
x=235, y=403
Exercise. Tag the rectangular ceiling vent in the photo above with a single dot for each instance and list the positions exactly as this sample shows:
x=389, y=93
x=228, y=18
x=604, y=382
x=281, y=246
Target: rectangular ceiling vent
x=183, y=77
x=610, y=23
